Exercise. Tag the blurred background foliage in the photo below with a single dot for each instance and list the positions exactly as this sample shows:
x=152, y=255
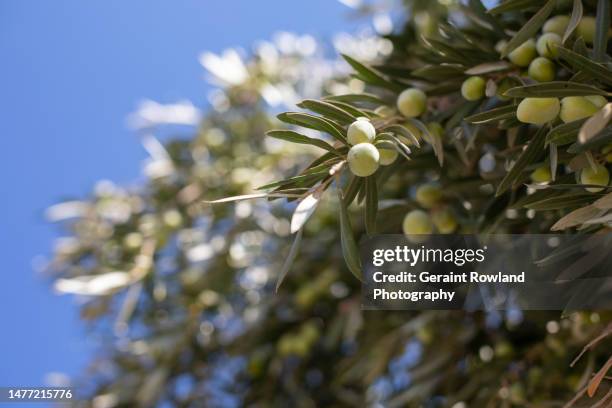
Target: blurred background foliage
x=184, y=293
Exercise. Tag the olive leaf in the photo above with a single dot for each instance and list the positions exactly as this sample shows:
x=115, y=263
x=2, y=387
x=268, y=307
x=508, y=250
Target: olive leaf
x=371, y=204
x=564, y=133
x=352, y=188
x=576, y=217
x=577, y=11
x=489, y=67
x=314, y=122
x=293, y=252
x=328, y=110
x=555, y=89
x=295, y=137
x=602, y=27
x=356, y=98
x=347, y=240
x=595, y=124
x=403, y=131
x=528, y=156
x=493, y=115
x=303, y=211
x=530, y=28
x=581, y=63
x=371, y=76
x=512, y=5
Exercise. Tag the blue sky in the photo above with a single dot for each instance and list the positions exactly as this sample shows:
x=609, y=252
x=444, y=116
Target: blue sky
x=71, y=71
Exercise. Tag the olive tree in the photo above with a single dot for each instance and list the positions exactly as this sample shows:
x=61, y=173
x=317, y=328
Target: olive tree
x=479, y=121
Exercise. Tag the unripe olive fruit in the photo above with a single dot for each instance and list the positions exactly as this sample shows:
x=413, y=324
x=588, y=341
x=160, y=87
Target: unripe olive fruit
x=388, y=155
x=576, y=107
x=547, y=45
x=363, y=159
x=428, y=195
x=417, y=225
x=598, y=176
x=361, y=131
x=411, y=102
x=541, y=175
x=445, y=221
x=556, y=24
x=523, y=54
x=473, y=88
x=597, y=100
x=542, y=69
x=586, y=29
x=537, y=110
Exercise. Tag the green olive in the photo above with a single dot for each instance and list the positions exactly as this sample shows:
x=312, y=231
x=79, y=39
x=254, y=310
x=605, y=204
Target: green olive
x=586, y=29
x=547, y=45
x=411, y=102
x=361, y=131
x=428, y=195
x=541, y=175
x=598, y=176
x=556, y=24
x=538, y=110
x=445, y=221
x=577, y=107
x=388, y=155
x=597, y=100
x=417, y=225
x=473, y=88
x=523, y=54
x=542, y=69
x=363, y=159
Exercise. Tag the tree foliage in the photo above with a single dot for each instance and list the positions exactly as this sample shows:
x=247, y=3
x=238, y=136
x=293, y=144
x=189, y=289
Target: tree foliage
x=250, y=300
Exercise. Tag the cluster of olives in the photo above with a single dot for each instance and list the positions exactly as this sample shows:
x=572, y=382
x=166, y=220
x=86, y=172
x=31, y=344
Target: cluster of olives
x=539, y=111
x=419, y=223
x=537, y=56
x=364, y=157
x=597, y=175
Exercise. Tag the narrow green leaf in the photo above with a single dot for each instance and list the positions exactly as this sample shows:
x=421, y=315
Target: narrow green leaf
x=361, y=97
x=295, y=181
x=563, y=201
x=602, y=27
x=328, y=110
x=528, y=156
x=371, y=204
x=512, y=5
x=314, y=122
x=565, y=133
x=347, y=240
x=493, y=115
x=438, y=72
x=356, y=112
x=554, y=89
x=371, y=76
x=403, y=131
x=433, y=140
x=289, y=259
x=295, y=137
x=577, y=11
x=530, y=28
x=580, y=63
x=352, y=188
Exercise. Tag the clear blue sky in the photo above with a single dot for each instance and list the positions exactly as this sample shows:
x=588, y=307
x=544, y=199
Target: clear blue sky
x=71, y=71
